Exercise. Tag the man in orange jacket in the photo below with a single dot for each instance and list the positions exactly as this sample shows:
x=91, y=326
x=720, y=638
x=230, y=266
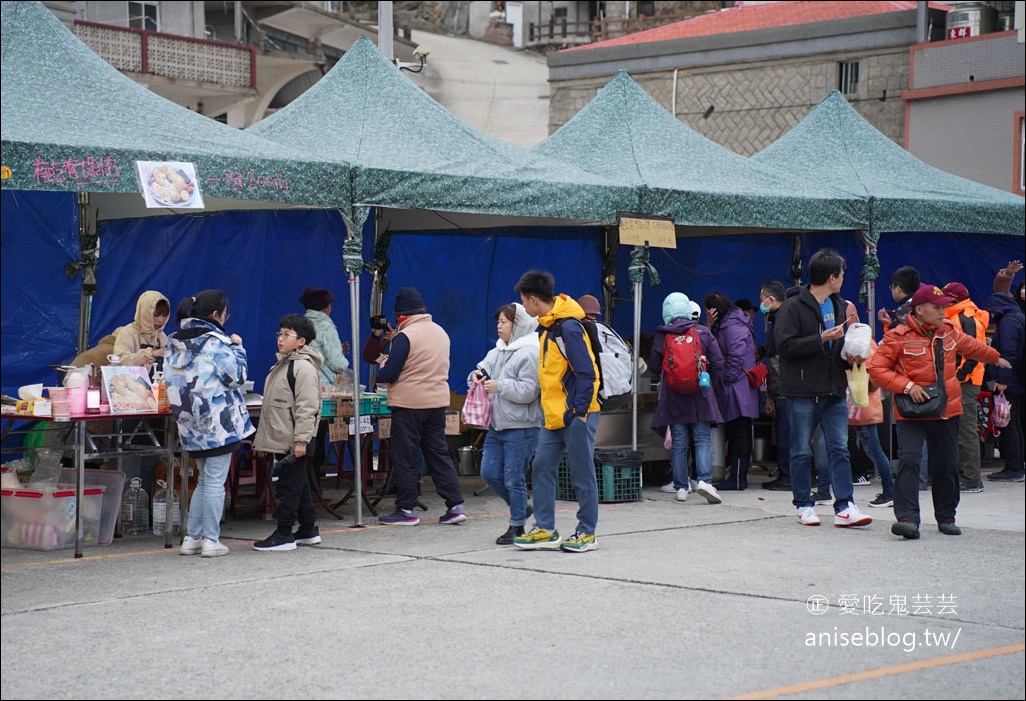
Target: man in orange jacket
x=917, y=359
x=973, y=321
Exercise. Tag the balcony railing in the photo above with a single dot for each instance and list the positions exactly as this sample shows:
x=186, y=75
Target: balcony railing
x=171, y=56
x=558, y=29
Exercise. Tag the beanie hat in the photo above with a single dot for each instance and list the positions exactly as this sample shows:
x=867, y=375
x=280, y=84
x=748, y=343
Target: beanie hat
x=696, y=311
x=590, y=305
x=956, y=291
x=316, y=298
x=408, y=302
x=675, y=306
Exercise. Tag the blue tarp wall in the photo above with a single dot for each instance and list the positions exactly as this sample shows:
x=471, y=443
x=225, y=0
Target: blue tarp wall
x=261, y=259
x=264, y=259
x=465, y=275
x=738, y=265
x=39, y=302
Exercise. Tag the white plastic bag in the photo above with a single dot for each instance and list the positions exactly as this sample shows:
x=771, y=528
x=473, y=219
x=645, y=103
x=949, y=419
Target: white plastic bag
x=858, y=342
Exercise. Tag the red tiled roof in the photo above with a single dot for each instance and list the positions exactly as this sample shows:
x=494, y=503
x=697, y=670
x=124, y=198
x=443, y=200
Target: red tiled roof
x=752, y=17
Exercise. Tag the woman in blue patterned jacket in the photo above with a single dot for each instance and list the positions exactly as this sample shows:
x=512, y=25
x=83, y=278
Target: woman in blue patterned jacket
x=205, y=369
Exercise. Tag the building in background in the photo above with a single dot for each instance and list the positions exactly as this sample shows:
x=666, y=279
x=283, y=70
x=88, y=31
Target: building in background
x=744, y=75
x=235, y=61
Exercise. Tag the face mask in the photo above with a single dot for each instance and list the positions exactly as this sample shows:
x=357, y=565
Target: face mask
x=763, y=308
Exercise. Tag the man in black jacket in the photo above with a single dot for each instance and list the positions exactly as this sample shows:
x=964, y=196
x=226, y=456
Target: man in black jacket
x=904, y=283
x=771, y=297
x=809, y=335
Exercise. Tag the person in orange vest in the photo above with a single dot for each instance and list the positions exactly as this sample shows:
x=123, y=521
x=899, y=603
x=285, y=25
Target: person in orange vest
x=973, y=321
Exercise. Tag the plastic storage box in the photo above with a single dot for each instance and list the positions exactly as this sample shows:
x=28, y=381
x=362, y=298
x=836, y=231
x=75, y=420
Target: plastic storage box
x=113, y=482
x=44, y=519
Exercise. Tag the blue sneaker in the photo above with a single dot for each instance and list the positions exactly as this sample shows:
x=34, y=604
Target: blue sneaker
x=453, y=515
x=400, y=517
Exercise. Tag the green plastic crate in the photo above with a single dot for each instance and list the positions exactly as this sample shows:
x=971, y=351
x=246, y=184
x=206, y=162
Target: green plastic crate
x=616, y=483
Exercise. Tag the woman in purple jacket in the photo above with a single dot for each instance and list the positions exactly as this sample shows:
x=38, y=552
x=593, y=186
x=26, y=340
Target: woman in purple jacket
x=739, y=401
x=687, y=415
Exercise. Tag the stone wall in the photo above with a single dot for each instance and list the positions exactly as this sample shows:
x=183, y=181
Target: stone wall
x=754, y=104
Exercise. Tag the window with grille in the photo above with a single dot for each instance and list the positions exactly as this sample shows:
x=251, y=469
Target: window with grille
x=848, y=77
x=143, y=15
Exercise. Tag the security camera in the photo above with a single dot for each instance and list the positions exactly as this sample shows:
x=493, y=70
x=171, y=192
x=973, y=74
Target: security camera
x=421, y=51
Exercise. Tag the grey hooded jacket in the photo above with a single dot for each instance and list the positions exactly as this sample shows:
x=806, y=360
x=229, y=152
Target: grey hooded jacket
x=516, y=403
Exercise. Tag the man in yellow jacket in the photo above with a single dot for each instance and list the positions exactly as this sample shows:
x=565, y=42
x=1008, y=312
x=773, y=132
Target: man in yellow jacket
x=973, y=321
x=569, y=377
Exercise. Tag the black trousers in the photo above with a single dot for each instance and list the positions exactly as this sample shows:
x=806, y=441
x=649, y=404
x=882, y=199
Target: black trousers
x=1010, y=440
x=941, y=437
x=295, y=502
x=738, y=435
x=421, y=431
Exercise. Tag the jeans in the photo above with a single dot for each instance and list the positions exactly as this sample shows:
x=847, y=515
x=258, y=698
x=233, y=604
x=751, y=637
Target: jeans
x=940, y=436
x=821, y=460
x=968, y=438
x=207, y=504
x=831, y=415
x=295, y=501
x=578, y=439
x=504, y=466
x=681, y=434
x=869, y=439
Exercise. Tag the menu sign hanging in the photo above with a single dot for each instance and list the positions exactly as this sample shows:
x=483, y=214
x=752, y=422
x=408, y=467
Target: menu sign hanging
x=169, y=185
x=648, y=231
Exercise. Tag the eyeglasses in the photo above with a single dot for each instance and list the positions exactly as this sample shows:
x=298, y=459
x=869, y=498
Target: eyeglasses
x=286, y=334
x=226, y=315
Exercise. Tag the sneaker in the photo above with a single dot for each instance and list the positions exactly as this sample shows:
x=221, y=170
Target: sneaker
x=453, y=515
x=851, y=516
x=862, y=481
x=191, y=546
x=709, y=492
x=400, y=517
x=906, y=529
x=277, y=541
x=668, y=488
x=882, y=502
x=971, y=490
x=508, y=537
x=1007, y=475
x=682, y=494
x=822, y=498
x=778, y=485
x=310, y=536
x=213, y=548
x=949, y=528
x=538, y=539
x=807, y=516
x=579, y=543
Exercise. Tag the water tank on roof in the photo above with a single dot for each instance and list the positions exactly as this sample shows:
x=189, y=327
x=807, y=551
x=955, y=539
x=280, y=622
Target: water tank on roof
x=970, y=19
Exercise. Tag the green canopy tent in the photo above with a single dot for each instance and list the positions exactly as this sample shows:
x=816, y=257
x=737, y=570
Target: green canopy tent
x=73, y=122
x=704, y=188
x=409, y=152
x=836, y=146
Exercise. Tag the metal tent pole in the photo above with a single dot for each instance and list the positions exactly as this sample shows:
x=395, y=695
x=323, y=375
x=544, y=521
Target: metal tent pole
x=354, y=317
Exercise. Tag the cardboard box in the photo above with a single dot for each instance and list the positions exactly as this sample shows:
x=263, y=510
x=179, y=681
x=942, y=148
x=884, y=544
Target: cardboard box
x=452, y=423
x=32, y=407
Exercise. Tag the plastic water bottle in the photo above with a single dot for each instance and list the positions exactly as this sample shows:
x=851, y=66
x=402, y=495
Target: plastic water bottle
x=135, y=509
x=160, y=510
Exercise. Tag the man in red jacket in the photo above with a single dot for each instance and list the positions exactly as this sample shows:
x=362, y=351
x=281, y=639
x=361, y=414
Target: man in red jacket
x=917, y=355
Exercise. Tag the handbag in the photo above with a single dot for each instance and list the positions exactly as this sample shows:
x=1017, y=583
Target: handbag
x=757, y=376
x=935, y=406
x=477, y=409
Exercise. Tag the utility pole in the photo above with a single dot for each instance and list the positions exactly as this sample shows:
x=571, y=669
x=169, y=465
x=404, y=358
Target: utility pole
x=385, y=43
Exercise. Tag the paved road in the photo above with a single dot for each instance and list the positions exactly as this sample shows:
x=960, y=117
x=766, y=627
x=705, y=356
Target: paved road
x=497, y=90
x=680, y=600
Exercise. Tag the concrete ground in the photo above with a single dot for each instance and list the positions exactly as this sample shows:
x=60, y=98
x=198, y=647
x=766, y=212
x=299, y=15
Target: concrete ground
x=681, y=600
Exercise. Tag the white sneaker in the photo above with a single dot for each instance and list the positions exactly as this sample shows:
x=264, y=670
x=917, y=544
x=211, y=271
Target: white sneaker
x=213, y=548
x=807, y=516
x=191, y=546
x=709, y=492
x=668, y=488
x=682, y=494
x=851, y=517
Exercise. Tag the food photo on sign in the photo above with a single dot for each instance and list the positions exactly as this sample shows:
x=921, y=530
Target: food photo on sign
x=169, y=185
